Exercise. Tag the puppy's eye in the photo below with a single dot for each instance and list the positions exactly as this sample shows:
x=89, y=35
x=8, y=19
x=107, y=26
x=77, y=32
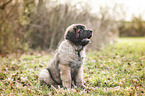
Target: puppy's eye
x=80, y=30
x=83, y=27
x=75, y=29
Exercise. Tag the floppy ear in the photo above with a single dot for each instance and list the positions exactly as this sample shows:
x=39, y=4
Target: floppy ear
x=71, y=36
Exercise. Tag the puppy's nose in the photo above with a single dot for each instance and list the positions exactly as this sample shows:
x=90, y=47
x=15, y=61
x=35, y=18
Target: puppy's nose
x=91, y=31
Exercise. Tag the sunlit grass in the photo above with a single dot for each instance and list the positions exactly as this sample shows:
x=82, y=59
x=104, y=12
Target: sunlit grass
x=116, y=70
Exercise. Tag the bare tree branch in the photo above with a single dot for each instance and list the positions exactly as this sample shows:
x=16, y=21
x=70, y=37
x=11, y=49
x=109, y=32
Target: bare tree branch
x=3, y=6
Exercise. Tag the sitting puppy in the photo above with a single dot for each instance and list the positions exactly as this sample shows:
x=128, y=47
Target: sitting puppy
x=66, y=68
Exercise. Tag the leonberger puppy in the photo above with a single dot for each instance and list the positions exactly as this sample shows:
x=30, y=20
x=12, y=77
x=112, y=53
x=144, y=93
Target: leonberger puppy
x=66, y=68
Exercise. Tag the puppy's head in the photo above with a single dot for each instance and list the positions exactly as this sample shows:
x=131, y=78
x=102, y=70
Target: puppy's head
x=78, y=34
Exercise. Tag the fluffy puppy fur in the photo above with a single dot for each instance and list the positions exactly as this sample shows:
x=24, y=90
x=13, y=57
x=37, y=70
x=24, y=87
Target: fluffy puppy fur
x=66, y=68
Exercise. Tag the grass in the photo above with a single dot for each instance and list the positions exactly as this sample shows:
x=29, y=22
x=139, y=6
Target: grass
x=116, y=70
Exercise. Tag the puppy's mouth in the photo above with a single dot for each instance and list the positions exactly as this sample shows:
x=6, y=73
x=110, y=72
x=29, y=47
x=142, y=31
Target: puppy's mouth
x=87, y=40
x=89, y=36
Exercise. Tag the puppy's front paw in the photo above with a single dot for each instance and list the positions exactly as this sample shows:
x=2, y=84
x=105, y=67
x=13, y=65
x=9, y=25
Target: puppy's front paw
x=66, y=85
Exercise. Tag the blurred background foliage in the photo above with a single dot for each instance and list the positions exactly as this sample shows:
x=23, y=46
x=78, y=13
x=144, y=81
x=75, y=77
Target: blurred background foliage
x=40, y=24
x=133, y=28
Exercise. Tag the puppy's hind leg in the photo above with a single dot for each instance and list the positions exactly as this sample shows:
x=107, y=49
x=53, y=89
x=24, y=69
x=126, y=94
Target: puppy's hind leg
x=45, y=78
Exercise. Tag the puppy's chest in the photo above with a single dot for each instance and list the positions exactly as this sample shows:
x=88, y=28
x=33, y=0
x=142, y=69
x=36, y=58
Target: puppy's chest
x=77, y=60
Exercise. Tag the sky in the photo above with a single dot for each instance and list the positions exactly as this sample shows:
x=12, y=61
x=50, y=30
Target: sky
x=131, y=7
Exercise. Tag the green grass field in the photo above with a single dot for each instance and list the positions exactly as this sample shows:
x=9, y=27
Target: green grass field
x=116, y=70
